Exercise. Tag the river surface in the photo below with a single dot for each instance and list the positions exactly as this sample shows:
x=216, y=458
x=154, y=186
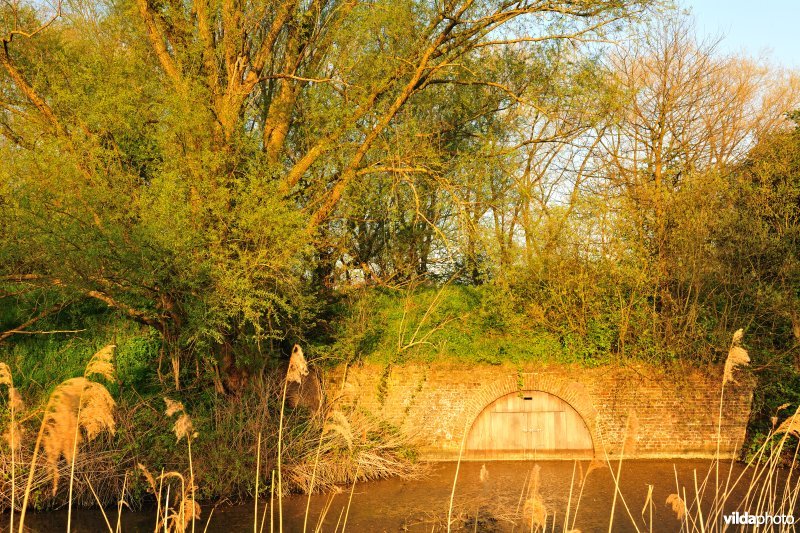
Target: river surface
x=395, y=505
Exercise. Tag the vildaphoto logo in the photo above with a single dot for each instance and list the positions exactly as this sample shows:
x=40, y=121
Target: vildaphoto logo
x=743, y=519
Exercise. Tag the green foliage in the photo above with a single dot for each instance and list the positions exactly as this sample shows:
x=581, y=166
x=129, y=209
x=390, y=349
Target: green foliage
x=458, y=322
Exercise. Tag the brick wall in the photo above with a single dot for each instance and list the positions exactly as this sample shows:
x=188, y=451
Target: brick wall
x=668, y=412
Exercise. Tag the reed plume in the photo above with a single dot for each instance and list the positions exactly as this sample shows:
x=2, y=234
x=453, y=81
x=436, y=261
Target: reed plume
x=76, y=404
x=298, y=369
x=184, y=429
x=737, y=356
x=173, y=407
x=99, y=365
x=678, y=506
x=5, y=375
x=534, y=510
x=188, y=511
x=151, y=481
x=338, y=423
x=13, y=433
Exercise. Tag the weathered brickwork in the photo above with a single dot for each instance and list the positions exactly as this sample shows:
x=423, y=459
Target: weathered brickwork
x=667, y=414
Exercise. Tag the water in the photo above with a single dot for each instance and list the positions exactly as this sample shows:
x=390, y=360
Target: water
x=421, y=505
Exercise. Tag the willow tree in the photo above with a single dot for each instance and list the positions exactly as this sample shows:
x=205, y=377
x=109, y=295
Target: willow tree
x=182, y=162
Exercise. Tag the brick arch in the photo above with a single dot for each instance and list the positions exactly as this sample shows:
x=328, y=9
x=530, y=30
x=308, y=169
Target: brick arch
x=571, y=392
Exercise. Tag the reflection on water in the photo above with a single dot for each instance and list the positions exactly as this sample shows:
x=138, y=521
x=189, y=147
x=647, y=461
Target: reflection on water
x=422, y=505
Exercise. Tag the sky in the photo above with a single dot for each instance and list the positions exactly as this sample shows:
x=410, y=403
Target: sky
x=756, y=27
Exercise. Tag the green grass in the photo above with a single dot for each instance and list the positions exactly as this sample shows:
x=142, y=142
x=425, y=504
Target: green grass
x=457, y=323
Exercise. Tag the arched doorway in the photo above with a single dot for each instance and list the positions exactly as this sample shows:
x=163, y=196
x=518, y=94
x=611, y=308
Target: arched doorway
x=528, y=425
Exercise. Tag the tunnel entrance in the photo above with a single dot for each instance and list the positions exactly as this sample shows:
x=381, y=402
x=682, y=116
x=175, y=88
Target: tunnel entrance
x=529, y=425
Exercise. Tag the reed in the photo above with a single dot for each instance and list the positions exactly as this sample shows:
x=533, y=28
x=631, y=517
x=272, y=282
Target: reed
x=12, y=433
x=455, y=478
x=188, y=508
x=76, y=404
x=298, y=369
x=99, y=365
x=255, y=493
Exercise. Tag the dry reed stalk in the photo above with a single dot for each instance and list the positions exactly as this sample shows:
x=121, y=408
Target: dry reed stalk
x=166, y=512
x=648, y=504
x=12, y=433
x=255, y=498
x=298, y=369
x=99, y=504
x=737, y=356
x=340, y=425
x=338, y=521
x=690, y=519
x=272, y=503
x=208, y=520
x=350, y=499
x=569, y=498
x=718, y=506
x=120, y=504
x=787, y=491
x=615, y=478
x=790, y=426
x=769, y=466
x=184, y=429
x=158, y=504
x=593, y=465
x=519, y=501
x=756, y=459
x=699, y=502
x=264, y=516
x=455, y=477
x=280, y=450
x=324, y=513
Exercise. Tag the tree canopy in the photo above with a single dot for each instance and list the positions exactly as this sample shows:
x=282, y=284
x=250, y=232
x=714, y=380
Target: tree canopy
x=216, y=169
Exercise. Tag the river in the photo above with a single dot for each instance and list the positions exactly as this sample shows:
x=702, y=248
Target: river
x=395, y=505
